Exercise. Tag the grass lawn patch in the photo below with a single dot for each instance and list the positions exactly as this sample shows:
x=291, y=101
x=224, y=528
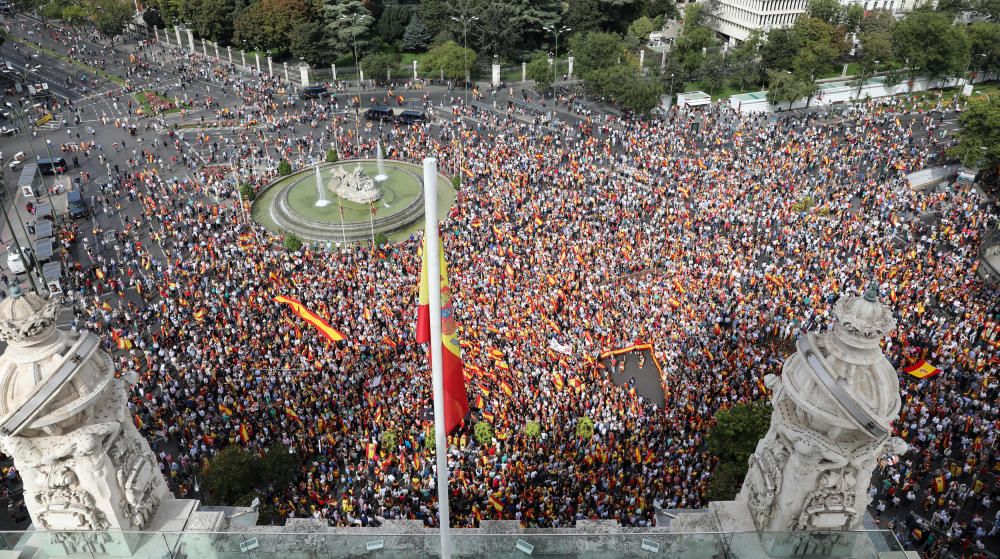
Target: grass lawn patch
x=152, y=103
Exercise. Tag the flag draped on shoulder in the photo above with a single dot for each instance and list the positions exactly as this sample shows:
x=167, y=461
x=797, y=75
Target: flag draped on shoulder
x=456, y=402
x=312, y=318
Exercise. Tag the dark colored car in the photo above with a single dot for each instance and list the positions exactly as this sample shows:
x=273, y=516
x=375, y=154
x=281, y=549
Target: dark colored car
x=77, y=205
x=51, y=166
x=314, y=92
x=379, y=113
x=412, y=117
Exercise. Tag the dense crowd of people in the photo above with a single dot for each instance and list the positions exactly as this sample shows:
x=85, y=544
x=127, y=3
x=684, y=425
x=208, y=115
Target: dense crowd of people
x=718, y=237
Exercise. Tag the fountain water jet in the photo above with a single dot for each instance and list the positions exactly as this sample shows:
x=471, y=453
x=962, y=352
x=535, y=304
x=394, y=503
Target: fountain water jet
x=321, y=200
x=381, y=176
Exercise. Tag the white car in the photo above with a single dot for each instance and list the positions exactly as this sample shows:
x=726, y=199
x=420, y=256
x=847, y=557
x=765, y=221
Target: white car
x=16, y=161
x=15, y=263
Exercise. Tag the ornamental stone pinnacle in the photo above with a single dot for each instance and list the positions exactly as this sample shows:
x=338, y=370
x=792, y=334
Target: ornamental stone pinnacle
x=65, y=421
x=834, y=405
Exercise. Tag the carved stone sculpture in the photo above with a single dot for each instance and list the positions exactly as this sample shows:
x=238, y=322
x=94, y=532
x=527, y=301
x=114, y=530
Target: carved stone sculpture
x=64, y=419
x=833, y=409
x=354, y=185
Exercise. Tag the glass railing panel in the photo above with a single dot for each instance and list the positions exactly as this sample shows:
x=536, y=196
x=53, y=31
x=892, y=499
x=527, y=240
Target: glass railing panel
x=270, y=543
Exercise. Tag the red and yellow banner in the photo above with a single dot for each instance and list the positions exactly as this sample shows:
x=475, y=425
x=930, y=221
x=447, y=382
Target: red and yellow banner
x=456, y=401
x=921, y=370
x=312, y=318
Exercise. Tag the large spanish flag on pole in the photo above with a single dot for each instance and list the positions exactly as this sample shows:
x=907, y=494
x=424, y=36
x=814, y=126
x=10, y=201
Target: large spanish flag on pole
x=436, y=324
x=456, y=402
x=312, y=318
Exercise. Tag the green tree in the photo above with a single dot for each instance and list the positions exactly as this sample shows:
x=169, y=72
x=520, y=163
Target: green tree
x=292, y=242
x=267, y=24
x=247, y=192
x=230, y=477
x=483, y=433
x=746, y=60
x=497, y=31
x=213, y=19
x=417, y=36
x=376, y=65
x=533, y=429
x=990, y=9
x=276, y=469
x=639, y=96
x=828, y=11
x=732, y=440
x=784, y=87
x=852, y=18
x=111, y=17
x=347, y=25
x=532, y=16
x=877, y=21
x=778, y=52
x=585, y=15
x=393, y=21
x=984, y=38
x=639, y=30
x=931, y=44
x=152, y=18
x=875, y=47
x=284, y=168
x=449, y=57
x=436, y=15
x=308, y=42
x=714, y=70
x=666, y=9
x=595, y=51
x=540, y=71
x=979, y=137
x=331, y=156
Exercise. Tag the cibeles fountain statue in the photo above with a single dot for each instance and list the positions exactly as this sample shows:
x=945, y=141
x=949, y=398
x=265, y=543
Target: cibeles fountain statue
x=354, y=185
x=834, y=405
x=64, y=420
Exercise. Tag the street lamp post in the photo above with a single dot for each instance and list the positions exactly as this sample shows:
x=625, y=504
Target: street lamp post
x=465, y=21
x=555, y=58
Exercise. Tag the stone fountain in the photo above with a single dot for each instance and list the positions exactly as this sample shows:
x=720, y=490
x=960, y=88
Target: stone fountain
x=354, y=186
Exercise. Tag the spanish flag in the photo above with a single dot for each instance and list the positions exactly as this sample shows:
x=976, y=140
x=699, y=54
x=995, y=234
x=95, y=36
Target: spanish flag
x=921, y=370
x=506, y=388
x=495, y=503
x=558, y=381
x=244, y=434
x=456, y=401
x=370, y=450
x=226, y=410
x=939, y=484
x=311, y=317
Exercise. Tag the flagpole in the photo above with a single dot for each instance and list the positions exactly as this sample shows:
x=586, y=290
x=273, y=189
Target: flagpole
x=343, y=231
x=432, y=253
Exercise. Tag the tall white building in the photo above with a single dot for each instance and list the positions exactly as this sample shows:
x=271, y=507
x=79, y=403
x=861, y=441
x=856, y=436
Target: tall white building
x=737, y=18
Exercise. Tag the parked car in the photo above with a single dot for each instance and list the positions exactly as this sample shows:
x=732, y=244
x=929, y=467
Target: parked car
x=314, y=92
x=379, y=113
x=411, y=117
x=8, y=130
x=15, y=162
x=52, y=166
x=15, y=263
x=77, y=205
